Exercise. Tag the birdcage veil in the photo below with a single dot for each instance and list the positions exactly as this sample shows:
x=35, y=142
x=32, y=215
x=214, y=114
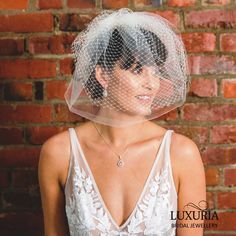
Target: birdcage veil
x=129, y=67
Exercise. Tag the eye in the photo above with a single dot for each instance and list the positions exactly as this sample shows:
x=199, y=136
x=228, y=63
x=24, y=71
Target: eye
x=137, y=68
x=158, y=72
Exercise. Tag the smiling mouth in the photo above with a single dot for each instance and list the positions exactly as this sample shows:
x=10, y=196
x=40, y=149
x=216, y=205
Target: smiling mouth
x=146, y=98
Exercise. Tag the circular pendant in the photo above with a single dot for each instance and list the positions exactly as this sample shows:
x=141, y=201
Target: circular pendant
x=120, y=163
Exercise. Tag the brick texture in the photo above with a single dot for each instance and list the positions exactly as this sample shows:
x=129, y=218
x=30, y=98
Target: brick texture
x=25, y=23
x=36, y=66
x=225, y=19
x=230, y=176
x=81, y=3
x=228, y=42
x=60, y=44
x=26, y=68
x=11, y=47
x=181, y=3
x=212, y=176
x=109, y=4
x=202, y=87
x=13, y=5
x=229, y=88
x=199, y=42
x=47, y=4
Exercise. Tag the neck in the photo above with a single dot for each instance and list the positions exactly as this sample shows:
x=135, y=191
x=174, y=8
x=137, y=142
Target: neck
x=118, y=136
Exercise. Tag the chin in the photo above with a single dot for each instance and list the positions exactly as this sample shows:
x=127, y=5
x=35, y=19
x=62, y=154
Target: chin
x=142, y=112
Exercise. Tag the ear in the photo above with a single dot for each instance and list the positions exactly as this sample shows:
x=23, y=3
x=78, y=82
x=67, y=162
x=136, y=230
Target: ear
x=101, y=76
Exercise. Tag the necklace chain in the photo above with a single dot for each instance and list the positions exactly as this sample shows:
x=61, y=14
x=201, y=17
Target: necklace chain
x=120, y=162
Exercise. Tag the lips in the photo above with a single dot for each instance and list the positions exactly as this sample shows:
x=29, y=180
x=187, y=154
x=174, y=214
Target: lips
x=144, y=97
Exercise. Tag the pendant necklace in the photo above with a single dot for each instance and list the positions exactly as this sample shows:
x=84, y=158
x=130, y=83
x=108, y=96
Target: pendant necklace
x=120, y=162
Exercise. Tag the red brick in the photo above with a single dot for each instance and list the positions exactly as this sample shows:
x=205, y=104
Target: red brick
x=171, y=16
x=209, y=112
x=215, y=2
x=58, y=44
x=219, y=155
x=144, y=3
x=22, y=221
x=212, y=65
x=230, y=176
x=47, y=4
x=210, y=200
x=226, y=200
x=25, y=113
x=66, y=66
x=24, y=178
x=229, y=88
x=1, y=91
x=19, y=200
x=19, y=157
x=4, y=178
x=202, y=87
x=56, y=89
x=26, y=68
x=212, y=176
x=197, y=134
x=17, y=91
x=172, y=115
x=199, y=42
x=9, y=135
x=181, y=3
x=74, y=22
x=109, y=4
x=224, y=233
x=63, y=114
x=226, y=221
x=9, y=47
x=13, y=4
x=223, y=134
x=38, y=135
x=81, y=3
x=211, y=19
x=24, y=23
x=228, y=42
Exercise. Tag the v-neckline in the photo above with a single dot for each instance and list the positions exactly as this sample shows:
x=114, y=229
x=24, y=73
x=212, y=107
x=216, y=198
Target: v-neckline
x=142, y=192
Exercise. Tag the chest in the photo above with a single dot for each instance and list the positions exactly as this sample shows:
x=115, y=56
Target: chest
x=121, y=189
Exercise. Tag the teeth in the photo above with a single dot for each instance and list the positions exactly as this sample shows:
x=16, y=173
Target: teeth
x=143, y=97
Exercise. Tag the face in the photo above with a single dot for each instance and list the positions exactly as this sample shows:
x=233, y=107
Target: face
x=133, y=90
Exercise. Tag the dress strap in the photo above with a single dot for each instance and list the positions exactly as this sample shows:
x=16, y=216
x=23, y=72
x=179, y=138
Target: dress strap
x=168, y=160
x=72, y=153
x=72, y=141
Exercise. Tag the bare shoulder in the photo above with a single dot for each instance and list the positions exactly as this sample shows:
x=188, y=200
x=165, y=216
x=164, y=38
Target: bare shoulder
x=55, y=154
x=185, y=153
x=183, y=146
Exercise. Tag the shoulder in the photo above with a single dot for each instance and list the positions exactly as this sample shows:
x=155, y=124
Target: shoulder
x=185, y=154
x=182, y=146
x=55, y=154
x=57, y=145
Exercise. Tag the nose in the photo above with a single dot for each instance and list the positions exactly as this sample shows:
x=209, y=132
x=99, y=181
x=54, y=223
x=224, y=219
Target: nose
x=151, y=80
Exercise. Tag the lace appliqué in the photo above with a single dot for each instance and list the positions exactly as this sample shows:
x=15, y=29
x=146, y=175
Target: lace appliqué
x=85, y=212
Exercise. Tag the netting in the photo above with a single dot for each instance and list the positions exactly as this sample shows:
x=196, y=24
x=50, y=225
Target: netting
x=129, y=67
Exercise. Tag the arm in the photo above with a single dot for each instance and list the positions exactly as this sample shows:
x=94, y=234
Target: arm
x=192, y=186
x=52, y=195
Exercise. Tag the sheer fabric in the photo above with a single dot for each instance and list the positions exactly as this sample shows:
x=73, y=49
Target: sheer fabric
x=87, y=213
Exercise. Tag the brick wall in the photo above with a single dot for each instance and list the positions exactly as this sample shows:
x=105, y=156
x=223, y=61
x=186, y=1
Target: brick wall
x=35, y=38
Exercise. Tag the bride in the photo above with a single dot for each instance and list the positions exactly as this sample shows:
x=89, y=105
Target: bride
x=119, y=173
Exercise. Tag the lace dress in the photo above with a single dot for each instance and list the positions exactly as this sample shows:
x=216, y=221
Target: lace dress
x=87, y=213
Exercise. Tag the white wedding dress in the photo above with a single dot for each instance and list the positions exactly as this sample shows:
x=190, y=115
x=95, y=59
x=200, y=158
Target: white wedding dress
x=88, y=215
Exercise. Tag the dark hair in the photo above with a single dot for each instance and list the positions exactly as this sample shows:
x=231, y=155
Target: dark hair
x=118, y=52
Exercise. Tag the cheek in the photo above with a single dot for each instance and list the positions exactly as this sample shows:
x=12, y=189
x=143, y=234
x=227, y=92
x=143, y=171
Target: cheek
x=125, y=85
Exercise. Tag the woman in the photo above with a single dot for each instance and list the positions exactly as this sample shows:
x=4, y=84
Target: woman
x=119, y=173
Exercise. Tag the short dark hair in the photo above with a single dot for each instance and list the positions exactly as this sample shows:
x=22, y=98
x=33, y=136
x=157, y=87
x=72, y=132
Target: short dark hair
x=117, y=51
